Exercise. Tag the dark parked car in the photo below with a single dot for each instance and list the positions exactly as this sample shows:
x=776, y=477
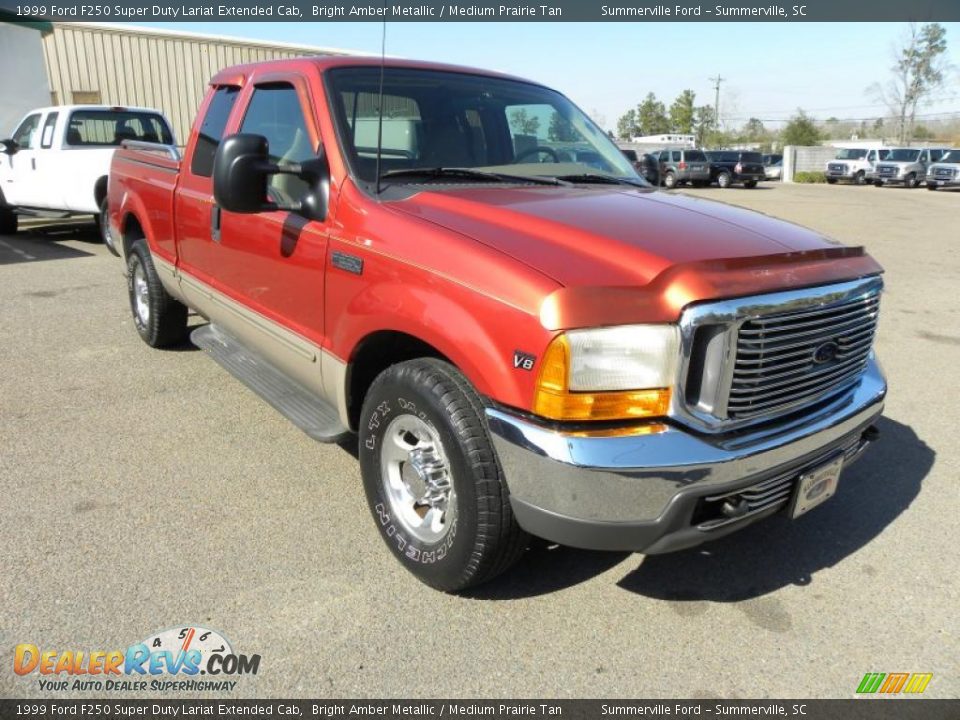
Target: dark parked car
x=728, y=167
x=647, y=165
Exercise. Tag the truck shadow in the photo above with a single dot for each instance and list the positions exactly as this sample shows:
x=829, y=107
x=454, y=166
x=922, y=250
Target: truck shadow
x=778, y=552
x=40, y=242
x=758, y=560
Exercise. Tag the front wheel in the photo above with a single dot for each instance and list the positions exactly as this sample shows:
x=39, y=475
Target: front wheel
x=931, y=186
x=910, y=181
x=724, y=179
x=8, y=222
x=432, y=479
x=103, y=224
x=878, y=183
x=159, y=318
x=859, y=178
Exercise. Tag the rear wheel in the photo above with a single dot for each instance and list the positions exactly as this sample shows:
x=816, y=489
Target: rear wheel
x=724, y=179
x=670, y=180
x=432, y=479
x=103, y=224
x=750, y=184
x=8, y=222
x=159, y=318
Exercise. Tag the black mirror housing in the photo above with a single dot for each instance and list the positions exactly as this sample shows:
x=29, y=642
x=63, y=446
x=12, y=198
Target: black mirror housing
x=10, y=146
x=240, y=170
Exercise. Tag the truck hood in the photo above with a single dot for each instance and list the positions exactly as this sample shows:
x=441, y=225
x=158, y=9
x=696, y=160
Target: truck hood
x=608, y=236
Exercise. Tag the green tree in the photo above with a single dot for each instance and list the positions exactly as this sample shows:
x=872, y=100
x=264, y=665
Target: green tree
x=652, y=116
x=682, y=113
x=627, y=125
x=703, y=121
x=523, y=123
x=754, y=131
x=800, y=130
x=561, y=130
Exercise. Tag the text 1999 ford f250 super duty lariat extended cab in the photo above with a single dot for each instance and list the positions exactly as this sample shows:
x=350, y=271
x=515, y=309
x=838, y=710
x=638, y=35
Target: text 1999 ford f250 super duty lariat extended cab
x=526, y=343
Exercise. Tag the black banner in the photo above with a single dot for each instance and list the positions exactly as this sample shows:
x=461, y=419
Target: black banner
x=109, y=709
x=484, y=10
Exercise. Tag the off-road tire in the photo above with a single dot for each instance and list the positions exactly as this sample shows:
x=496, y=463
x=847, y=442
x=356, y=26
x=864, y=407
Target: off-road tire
x=484, y=539
x=103, y=227
x=8, y=221
x=165, y=323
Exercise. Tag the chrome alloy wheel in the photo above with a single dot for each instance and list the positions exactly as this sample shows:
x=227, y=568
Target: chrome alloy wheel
x=141, y=294
x=416, y=478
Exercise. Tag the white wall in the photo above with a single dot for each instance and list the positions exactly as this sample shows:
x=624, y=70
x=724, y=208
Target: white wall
x=23, y=81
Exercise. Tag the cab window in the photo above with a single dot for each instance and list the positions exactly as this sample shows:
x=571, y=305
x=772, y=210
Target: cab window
x=46, y=137
x=25, y=135
x=275, y=112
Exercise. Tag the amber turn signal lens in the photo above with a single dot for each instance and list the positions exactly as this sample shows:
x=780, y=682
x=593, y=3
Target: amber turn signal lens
x=555, y=402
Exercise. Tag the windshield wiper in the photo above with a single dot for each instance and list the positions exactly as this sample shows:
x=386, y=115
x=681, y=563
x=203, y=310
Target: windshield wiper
x=438, y=173
x=600, y=179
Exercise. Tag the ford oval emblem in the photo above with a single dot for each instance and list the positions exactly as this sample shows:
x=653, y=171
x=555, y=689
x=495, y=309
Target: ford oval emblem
x=826, y=352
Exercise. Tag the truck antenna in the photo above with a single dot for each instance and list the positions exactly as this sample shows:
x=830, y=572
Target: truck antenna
x=383, y=62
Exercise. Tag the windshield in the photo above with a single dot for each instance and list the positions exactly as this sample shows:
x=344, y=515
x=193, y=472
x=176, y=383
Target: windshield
x=903, y=155
x=436, y=119
x=111, y=127
x=951, y=157
x=851, y=154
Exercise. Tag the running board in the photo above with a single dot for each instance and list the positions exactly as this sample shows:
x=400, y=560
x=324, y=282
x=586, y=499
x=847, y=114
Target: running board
x=316, y=417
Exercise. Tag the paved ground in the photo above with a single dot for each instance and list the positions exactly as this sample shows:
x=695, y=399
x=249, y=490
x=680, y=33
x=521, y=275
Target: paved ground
x=147, y=489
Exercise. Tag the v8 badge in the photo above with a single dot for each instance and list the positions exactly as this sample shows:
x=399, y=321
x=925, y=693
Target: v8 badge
x=523, y=361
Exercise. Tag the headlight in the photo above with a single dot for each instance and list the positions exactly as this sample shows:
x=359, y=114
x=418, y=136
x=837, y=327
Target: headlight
x=615, y=373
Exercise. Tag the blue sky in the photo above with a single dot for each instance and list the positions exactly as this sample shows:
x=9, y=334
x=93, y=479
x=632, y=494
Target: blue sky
x=606, y=68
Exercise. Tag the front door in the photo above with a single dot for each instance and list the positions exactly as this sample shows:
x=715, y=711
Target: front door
x=20, y=184
x=273, y=262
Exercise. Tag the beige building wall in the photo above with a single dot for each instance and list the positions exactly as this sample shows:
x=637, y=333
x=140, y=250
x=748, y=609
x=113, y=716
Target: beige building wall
x=108, y=65
x=23, y=82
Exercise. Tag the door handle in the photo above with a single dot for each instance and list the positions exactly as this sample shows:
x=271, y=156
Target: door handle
x=33, y=163
x=215, y=223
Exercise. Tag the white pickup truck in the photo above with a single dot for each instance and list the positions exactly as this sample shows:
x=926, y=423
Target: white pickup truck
x=57, y=161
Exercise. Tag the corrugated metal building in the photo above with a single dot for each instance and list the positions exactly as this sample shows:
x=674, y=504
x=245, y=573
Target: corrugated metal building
x=118, y=65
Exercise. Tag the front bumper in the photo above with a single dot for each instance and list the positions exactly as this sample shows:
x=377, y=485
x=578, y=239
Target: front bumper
x=658, y=492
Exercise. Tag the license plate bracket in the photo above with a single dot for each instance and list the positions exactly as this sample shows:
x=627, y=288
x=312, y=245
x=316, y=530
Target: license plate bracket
x=816, y=486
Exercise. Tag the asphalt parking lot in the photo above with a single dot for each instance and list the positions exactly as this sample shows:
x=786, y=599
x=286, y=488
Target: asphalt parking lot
x=146, y=489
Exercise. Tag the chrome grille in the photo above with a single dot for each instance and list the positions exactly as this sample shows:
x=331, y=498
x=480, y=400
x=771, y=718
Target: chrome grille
x=837, y=168
x=794, y=358
x=944, y=173
x=887, y=170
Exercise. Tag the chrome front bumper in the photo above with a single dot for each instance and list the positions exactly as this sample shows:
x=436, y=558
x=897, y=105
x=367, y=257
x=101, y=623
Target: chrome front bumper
x=644, y=492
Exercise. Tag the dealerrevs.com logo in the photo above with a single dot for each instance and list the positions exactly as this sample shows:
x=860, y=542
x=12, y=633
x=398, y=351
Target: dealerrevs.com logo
x=170, y=660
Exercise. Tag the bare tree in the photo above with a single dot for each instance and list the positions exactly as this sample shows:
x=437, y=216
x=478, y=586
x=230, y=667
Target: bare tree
x=919, y=69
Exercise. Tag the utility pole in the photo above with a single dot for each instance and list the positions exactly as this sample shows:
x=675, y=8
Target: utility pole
x=716, y=99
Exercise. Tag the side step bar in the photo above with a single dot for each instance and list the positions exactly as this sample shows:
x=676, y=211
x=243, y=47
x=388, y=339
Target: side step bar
x=316, y=417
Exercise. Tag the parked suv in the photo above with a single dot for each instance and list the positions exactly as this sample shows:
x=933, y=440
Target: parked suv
x=906, y=166
x=854, y=164
x=679, y=167
x=945, y=172
x=647, y=165
x=728, y=167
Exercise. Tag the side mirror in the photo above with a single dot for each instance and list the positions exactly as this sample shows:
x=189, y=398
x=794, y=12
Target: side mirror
x=242, y=167
x=10, y=146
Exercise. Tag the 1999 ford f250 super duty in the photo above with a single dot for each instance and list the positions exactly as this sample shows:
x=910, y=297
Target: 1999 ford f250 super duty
x=527, y=338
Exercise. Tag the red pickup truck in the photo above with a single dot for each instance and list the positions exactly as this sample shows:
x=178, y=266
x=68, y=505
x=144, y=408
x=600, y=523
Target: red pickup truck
x=462, y=269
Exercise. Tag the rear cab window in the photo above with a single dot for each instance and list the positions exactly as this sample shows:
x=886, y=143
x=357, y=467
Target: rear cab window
x=100, y=128
x=49, y=125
